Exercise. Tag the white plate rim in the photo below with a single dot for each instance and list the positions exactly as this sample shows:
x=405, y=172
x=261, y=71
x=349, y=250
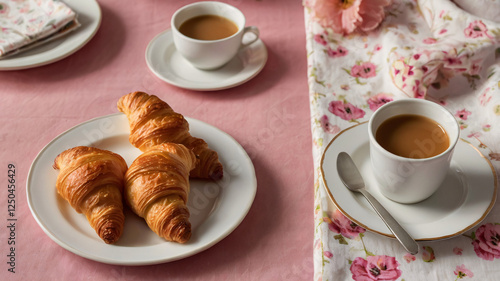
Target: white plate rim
x=248, y=196
x=69, y=44
x=250, y=71
x=358, y=220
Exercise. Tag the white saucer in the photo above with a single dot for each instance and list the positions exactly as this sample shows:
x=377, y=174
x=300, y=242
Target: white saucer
x=463, y=200
x=166, y=63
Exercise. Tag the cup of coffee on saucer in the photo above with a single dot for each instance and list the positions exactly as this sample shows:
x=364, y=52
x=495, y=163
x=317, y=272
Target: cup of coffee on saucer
x=209, y=34
x=411, y=145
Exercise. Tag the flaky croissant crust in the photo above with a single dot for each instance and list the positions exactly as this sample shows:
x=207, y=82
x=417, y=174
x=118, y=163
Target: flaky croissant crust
x=150, y=119
x=157, y=189
x=152, y=122
x=92, y=180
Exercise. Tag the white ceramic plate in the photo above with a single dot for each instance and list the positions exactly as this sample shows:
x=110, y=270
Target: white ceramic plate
x=463, y=200
x=89, y=16
x=167, y=64
x=217, y=208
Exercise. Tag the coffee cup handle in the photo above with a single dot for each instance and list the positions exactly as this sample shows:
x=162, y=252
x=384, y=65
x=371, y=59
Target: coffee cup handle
x=250, y=29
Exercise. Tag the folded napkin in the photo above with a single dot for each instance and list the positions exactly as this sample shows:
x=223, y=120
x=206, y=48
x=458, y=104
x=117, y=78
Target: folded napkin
x=455, y=43
x=430, y=49
x=26, y=24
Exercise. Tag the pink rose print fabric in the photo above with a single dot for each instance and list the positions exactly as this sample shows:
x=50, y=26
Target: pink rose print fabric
x=477, y=29
x=454, y=49
x=378, y=100
x=342, y=225
x=363, y=70
x=409, y=258
x=338, y=52
x=487, y=242
x=327, y=126
x=461, y=271
x=375, y=268
x=25, y=22
x=346, y=111
x=427, y=49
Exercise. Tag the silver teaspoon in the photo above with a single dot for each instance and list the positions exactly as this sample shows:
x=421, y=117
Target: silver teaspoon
x=353, y=180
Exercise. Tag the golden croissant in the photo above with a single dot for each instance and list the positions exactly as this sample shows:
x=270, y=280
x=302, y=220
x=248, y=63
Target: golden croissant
x=152, y=121
x=157, y=189
x=92, y=181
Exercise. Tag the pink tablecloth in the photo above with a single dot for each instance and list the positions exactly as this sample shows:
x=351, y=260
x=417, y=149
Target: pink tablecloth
x=268, y=115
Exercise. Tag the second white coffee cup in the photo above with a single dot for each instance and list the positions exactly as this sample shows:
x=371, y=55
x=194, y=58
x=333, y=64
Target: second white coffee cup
x=211, y=54
x=410, y=180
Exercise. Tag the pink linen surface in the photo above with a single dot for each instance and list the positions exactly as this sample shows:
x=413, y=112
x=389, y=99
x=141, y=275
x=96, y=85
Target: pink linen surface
x=269, y=116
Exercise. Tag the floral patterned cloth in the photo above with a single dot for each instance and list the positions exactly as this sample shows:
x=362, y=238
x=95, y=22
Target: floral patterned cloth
x=23, y=22
x=428, y=49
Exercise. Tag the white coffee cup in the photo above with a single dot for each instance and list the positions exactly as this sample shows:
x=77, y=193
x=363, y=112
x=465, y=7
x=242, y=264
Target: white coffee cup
x=409, y=180
x=211, y=54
